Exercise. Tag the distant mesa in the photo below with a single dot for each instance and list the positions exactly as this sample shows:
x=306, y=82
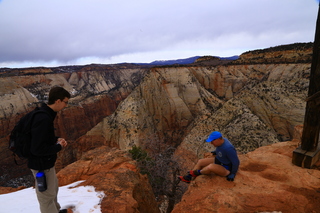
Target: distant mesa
x=194, y=59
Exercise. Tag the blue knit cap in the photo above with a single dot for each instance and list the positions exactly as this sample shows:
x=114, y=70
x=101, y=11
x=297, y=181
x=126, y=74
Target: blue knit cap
x=214, y=135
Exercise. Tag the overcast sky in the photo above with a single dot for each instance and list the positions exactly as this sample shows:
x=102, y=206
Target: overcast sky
x=77, y=32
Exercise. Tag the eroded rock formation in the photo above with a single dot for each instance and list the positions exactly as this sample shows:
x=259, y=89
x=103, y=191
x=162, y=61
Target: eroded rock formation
x=254, y=104
x=115, y=173
x=161, y=108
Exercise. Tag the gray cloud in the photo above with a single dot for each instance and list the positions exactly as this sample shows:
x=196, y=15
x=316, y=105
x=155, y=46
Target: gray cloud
x=43, y=32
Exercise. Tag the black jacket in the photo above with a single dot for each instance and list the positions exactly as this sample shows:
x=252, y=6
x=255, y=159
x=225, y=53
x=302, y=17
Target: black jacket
x=44, y=147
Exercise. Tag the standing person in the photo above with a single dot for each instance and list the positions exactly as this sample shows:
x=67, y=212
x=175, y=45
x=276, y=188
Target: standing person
x=44, y=148
x=225, y=163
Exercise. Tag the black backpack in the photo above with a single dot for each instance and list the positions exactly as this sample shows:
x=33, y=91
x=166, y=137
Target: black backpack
x=20, y=137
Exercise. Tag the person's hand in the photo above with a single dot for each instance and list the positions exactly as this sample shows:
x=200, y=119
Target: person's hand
x=214, y=152
x=62, y=142
x=230, y=177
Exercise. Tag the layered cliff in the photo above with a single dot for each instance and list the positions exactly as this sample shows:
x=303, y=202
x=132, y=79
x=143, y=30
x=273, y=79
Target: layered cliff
x=253, y=105
x=96, y=91
x=160, y=109
x=290, y=53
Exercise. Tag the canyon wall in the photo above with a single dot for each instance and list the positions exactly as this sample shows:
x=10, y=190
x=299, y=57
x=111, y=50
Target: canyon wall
x=96, y=91
x=253, y=102
x=252, y=105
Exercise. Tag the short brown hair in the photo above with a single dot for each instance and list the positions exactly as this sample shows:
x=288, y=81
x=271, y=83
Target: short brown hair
x=57, y=93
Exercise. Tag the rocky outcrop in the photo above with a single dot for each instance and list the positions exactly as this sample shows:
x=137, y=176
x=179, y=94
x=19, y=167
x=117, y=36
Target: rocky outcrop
x=211, y=61
x=291, y=53
x=116, y=174
x=236, y=122
x=267, y=181
x=6, y=190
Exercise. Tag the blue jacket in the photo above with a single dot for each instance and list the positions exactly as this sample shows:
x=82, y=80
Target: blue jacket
x=227, y=154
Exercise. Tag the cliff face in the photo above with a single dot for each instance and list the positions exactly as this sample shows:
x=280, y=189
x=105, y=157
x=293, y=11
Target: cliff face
x=96, y=91
x=160, y=109
x=253, y=105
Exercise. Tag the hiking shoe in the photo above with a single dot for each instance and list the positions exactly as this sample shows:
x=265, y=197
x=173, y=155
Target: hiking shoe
x=63, y=211
x=193, y=173
x=186, y=178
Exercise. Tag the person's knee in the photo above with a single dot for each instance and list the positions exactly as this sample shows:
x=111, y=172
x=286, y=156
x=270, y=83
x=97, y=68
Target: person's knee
x=46, y=195
x=211, y=167
x=200, y=161
x=203, y=162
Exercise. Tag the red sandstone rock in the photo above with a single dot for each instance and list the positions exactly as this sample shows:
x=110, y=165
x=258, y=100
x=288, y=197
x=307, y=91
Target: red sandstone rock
x=6, y=190
x=267, y=181
x=113, y=172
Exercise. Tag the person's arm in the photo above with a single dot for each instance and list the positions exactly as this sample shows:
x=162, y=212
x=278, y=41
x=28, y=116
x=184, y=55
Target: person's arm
x=233, y=157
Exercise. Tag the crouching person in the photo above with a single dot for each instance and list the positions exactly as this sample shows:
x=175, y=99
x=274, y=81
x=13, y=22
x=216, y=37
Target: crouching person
x=225, y=163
